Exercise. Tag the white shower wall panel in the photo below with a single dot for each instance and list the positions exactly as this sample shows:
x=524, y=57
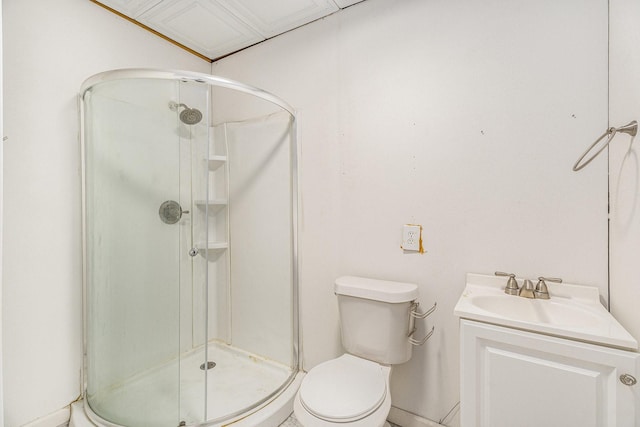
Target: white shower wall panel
x=261, y=236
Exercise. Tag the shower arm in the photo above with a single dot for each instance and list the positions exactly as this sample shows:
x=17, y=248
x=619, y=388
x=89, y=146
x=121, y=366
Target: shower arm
x=173, y=106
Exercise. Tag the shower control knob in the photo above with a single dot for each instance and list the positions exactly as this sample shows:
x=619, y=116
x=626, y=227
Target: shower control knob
x=193, y=252
x=170, y=212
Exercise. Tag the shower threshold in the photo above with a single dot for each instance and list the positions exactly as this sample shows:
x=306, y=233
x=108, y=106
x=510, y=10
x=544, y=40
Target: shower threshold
x=239, y=380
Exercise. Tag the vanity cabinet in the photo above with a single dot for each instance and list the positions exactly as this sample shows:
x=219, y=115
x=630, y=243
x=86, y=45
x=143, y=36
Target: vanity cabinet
x=515, y=378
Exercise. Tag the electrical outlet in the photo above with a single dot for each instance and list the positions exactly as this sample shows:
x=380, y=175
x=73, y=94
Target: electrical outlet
x=411, y=237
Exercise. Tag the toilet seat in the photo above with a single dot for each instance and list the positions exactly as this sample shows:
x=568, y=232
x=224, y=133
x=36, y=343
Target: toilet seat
x=344, y=390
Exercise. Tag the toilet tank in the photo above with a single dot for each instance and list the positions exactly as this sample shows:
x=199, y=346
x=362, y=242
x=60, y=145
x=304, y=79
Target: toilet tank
x=375, y=318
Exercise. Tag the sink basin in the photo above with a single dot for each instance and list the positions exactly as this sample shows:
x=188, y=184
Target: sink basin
x=573, y=311
x=543, y=311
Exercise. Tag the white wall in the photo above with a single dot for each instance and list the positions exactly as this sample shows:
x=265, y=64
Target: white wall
x=1, y=201
x=462, y=116
x=624, y=164
x=49, y=50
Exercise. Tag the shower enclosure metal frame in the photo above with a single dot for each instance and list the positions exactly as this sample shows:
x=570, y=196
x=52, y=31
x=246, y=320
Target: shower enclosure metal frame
x=211, y=81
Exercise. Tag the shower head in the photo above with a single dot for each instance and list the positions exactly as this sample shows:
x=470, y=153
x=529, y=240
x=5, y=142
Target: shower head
x=188, y=116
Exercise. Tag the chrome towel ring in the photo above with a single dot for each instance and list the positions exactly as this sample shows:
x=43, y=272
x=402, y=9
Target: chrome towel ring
x=630, y=129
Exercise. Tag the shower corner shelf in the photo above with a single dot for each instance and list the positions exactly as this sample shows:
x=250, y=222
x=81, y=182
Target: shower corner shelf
x=212, y=250
x=213, y=205
x=214, y=162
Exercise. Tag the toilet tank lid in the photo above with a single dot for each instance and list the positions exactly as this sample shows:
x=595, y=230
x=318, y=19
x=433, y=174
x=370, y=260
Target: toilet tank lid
x=374, y=289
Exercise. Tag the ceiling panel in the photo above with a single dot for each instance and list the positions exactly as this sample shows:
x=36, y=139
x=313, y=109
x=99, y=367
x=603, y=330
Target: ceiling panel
x=271, y=18
x=202, y=25
x=346, y=3
x=215, y=28
x=131, y=8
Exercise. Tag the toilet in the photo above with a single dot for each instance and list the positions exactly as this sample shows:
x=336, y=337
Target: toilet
x=353, y=390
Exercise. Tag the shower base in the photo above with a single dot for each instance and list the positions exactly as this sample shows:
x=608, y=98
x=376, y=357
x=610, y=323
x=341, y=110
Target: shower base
x=238, y=380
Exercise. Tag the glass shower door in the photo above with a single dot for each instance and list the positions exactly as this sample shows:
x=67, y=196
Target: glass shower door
x=138, y=233
x=191, y=111
x=190, y=248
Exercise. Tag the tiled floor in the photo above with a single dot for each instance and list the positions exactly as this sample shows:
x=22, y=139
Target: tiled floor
x=292, y=422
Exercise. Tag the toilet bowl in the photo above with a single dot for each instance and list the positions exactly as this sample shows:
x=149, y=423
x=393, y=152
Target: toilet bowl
x=353, y=389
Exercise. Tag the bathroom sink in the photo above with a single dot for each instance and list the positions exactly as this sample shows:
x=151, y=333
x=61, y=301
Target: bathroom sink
x=542, y=311
x=573, y=311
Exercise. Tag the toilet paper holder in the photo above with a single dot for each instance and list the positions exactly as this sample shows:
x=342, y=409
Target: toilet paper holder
x=415, y=314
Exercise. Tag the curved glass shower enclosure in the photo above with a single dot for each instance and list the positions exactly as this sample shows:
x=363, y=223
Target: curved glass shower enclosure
x=190, y=207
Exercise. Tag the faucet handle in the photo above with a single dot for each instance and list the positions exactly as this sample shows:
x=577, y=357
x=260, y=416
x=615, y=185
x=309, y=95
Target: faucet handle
x=550, y=279
x=502, y=273
x=512, y=283
x=542, y=292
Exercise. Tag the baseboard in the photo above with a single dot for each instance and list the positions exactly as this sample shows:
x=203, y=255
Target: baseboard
x=407, y=419
x=59, y=418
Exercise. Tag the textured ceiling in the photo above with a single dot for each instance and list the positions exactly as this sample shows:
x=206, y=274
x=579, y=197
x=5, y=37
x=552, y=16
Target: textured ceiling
x=216, y=28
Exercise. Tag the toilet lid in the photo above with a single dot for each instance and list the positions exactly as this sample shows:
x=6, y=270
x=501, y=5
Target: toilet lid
x=344, y=389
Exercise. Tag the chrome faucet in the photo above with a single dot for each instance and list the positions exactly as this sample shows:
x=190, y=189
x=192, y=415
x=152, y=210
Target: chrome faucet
x=527, y=290
x=512, y=283
x=541, y=291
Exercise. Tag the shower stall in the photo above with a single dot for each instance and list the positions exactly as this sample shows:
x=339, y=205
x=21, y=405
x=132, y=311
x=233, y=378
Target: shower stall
x=190, y=250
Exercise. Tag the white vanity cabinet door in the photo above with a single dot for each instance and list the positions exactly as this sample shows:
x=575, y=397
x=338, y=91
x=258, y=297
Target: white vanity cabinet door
x=513, y=378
